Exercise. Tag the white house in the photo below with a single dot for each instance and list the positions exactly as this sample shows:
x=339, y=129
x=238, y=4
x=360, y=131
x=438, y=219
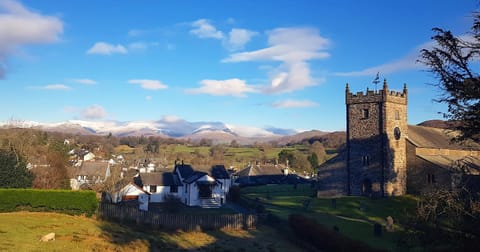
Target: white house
x=133, y=192
x=201, y=188
x=194, y=188
x=160, y=184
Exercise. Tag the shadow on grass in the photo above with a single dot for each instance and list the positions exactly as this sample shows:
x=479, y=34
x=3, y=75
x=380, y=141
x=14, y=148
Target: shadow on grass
x=263, y=238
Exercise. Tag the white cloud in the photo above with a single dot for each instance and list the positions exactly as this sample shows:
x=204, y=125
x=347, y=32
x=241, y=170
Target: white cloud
x=85, y=81
x=20, y=26
x=294, y=104
x=149, y=84
x=408, y=62
x=293, y=47
x=171, y=118
x=106, y=49
x=94, y=112
x=55, y=87
x=237, y=38
x=148, y=98
x=204, y=29
x=138, y=46
x=233, y=87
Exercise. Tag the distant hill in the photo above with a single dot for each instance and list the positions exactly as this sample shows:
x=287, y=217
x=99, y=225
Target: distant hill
x=300, y=137
x=440, y=124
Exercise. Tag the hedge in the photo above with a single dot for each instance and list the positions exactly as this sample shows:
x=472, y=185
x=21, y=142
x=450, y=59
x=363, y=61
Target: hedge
x=64, y=201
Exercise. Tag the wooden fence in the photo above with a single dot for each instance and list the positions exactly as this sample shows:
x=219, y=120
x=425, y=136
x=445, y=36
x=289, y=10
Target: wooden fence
x=176, y=221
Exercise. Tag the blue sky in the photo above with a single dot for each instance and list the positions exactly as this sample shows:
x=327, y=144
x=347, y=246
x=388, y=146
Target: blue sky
x=279, y=63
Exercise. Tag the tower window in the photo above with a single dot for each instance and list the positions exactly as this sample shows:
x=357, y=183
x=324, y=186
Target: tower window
x=365, y=113
x=366, y=160
x=397, y=115
x=430, y=178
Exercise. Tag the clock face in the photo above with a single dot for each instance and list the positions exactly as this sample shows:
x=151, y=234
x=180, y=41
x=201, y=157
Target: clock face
x=397, y=133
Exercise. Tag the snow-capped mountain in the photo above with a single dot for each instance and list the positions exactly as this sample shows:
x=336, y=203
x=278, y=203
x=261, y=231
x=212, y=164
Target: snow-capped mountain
x=167, y=127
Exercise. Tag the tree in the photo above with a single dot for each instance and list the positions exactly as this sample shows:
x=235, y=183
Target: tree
x=55, y=174
x=451, y=63
x=318, y=149
x=313, y=159
x=13, y=171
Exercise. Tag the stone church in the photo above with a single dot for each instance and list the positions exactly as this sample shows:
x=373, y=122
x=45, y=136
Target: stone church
x=384, y=156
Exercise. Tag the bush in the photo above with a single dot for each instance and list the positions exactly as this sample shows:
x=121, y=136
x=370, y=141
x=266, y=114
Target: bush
x=234, y=194
x=323, y=238
x=64, y=201
x=172, y=203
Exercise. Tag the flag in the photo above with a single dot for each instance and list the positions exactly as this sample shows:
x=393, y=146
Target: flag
x=377, y=79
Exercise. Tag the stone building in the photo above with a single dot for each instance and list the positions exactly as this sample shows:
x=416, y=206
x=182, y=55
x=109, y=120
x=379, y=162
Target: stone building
x=384, y=156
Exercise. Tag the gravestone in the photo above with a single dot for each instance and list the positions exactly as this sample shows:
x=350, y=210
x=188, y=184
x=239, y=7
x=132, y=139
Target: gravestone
x=390, y=224
x=377, y=229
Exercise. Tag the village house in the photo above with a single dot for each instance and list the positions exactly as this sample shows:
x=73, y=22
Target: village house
x=263, y=174
x=89, y=173
x=206, y=187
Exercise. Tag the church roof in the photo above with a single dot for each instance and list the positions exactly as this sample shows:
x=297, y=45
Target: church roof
x=470, y=163
x=427, y=137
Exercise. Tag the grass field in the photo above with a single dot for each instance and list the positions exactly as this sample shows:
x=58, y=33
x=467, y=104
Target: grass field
x=353, y=216
x=21, y=231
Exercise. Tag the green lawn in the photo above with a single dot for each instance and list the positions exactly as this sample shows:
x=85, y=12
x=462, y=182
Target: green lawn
x=354, y=216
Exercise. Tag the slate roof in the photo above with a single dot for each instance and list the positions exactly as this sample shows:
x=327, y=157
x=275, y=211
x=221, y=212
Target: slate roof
x=196, y=175
x=91, y=169
x=427, y=137
x=259, y=170
x=160, y=178
x=185, y=170
x=447, y=162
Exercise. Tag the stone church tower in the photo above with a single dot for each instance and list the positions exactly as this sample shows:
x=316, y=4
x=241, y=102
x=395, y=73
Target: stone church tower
x=376, y=145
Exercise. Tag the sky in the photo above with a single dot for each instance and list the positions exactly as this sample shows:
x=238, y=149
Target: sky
x=280, y=63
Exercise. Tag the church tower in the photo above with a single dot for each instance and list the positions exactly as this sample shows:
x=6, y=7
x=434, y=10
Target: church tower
x=376, y=145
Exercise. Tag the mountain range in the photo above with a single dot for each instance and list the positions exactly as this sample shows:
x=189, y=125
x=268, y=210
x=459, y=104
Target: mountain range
x=165, y=127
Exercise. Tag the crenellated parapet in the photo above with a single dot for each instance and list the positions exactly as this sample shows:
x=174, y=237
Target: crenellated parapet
x=381, y=95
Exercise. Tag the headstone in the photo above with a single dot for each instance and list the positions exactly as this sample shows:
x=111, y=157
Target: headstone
x=377, y=229
x=48, y=237
x=334, y=203
x=390, y=224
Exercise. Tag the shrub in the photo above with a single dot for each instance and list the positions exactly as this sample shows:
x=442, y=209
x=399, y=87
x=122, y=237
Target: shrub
x=321, y=237
x=172, y=203
x=64, y=201
x=234, y=194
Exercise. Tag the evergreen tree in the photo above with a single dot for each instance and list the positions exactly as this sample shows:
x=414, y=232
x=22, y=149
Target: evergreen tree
x=13, y=171
x=452, y=61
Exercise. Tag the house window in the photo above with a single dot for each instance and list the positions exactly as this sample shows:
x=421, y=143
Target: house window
x=173, y=189
x=430, y=178
x=397, y=115
x=365, y=113
x=153, y=188
x=366, y=160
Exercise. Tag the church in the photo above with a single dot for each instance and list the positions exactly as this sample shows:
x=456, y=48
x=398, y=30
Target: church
x=384, y=156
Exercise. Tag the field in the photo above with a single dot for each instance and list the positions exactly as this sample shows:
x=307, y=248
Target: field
x=237, y=157
x=21, y=231
x=353, y=216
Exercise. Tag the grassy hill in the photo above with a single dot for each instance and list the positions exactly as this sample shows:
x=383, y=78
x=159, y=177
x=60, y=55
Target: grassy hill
x=21, y=231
